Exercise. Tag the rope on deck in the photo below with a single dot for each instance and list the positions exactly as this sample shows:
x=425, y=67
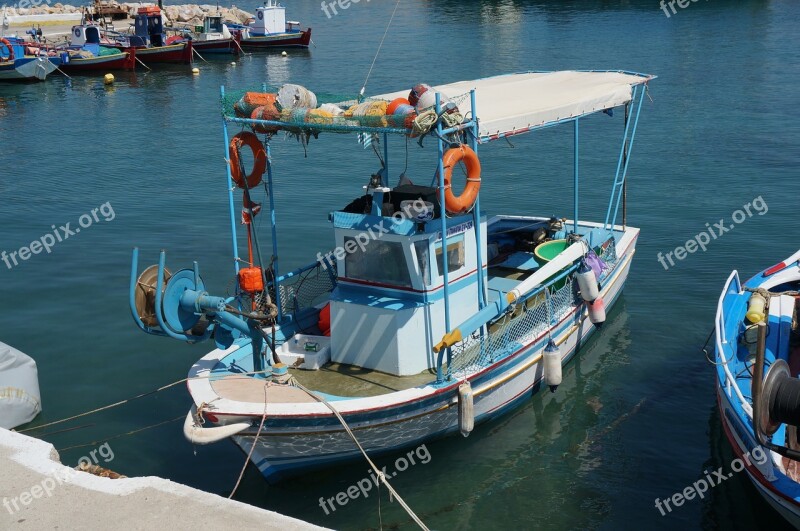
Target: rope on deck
x=379, y=474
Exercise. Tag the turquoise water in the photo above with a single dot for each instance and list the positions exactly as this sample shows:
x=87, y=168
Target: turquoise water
x=635, y=417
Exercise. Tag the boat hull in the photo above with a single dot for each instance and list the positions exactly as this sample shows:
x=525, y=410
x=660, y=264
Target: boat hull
x=180, y=53
x=124, y=61
x=290, y=446
x=299, y=39
x=218, y=46
x=26, y=69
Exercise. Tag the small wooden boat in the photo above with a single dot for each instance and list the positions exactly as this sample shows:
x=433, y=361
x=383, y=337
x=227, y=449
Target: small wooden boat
x=430, y=316
x=85, y=53
x=270, y=28
x=758, y=392
x=150, y=40
x=213, y=37
x=18, y=65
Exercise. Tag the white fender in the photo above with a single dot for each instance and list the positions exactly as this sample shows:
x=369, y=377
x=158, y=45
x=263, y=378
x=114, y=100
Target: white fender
x=199, y=435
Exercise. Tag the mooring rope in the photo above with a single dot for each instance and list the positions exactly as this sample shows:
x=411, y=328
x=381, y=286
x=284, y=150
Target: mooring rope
x=379, y=474
x=122, y=402
x=364, y=88
x=132, y=432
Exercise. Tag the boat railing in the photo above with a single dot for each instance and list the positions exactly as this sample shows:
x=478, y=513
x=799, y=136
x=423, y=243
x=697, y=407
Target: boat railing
x=532, y=314
x=732, y=286
x=305, y=286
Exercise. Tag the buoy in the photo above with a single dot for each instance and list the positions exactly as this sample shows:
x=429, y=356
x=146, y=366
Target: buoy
x=552, y=366
x=466, y=409
x=755, y=308
x=233, y=63
x=597, y=312
x=284, y=54
x=108, y=79
x=195, y=71
x=587, y=282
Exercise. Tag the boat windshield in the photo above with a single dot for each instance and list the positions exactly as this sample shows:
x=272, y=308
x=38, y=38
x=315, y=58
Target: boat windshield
x=380, y=262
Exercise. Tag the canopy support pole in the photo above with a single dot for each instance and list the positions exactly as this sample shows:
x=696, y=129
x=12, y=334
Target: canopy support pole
x=476, y=209
x=575, y=179
x=230, y=190
x=274, y=228
x=445, y=267
x=625, y=183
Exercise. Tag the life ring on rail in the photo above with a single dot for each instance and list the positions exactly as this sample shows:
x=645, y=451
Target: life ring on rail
x=246, y=138
x=461, y=203
x=10, y=49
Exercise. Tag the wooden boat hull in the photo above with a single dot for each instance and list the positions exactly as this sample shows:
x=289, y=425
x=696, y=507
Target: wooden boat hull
x=297, y=39
x=180, y=53
x=291, y=444
x=26, y=69
x=124, y=61
x=218, y=46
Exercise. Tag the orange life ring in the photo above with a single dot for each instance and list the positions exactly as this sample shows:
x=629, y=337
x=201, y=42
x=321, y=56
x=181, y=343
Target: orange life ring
x=10, y=49
x=461, y=203
x=246, y=138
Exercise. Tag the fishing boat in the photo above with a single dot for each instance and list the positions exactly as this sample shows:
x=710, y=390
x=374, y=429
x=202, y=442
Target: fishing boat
x=270, y=28
x=150, y=40
x=757, y=361
x=85, y=53
x=213, y=37
x=430, y=315
x=16, y=64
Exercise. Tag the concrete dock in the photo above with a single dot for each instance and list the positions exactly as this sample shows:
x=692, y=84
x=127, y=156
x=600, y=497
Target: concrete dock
x=38, y=492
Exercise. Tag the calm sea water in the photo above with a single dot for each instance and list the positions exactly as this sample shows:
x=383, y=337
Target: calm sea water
x=635, y=417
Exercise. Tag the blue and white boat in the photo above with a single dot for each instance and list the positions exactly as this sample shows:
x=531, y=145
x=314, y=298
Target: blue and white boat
x=758, y=392
x=17, y=65
x=431, y=315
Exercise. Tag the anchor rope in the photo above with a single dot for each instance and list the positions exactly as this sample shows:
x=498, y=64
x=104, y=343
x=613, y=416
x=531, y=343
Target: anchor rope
x=377, y=471
x=364, y=87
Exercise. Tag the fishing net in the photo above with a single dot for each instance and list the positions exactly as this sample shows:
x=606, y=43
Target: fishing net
x=299, y=110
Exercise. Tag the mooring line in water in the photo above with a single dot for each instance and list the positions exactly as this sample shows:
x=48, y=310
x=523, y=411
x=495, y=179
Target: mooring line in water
x=122, y=402
x=379, y=474
x=119, y=435
x=255, y=441
x=364, y=88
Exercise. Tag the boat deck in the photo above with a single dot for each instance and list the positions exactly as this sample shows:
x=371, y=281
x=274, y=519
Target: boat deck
x=333, y=380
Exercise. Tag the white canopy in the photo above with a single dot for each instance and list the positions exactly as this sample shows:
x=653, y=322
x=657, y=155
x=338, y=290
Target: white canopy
x=511, y=104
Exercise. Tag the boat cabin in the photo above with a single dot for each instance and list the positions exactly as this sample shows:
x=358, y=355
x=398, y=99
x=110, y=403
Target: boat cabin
x=148, y=27
x=86, y=37
x=270, y=18
x=212, y=29
x=387, y=310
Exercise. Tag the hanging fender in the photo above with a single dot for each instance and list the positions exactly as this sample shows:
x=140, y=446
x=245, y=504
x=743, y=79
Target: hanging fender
x=246, y=138
x=464, y=202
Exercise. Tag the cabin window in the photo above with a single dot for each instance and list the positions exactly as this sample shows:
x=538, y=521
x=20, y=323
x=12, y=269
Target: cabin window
x=379, y=261
x=422, y=249
x=455, y=254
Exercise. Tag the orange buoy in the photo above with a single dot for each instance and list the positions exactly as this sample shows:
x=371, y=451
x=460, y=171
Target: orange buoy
x=265, y=112
x=394, y=104
x=250, y=140
x=251, y=280
x=459, y=204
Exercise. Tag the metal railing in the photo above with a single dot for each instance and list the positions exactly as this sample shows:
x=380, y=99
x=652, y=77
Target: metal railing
x=722, y=341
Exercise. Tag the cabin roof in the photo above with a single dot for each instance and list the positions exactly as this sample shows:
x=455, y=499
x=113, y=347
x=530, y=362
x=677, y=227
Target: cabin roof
x=512, y=104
